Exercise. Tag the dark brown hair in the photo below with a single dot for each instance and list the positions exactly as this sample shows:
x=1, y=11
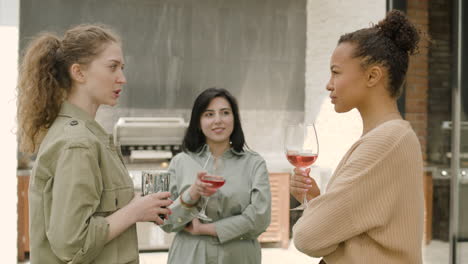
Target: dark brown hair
x=389, y=43
x=44, y=78
x=194, y=138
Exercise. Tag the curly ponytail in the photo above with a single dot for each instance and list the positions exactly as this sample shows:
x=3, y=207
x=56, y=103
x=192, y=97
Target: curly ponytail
x=39, y=92
x=44, y=80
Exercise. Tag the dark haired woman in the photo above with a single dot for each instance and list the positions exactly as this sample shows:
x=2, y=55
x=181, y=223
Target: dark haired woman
x=240, y=209
x=372, y=211
x=82, y=205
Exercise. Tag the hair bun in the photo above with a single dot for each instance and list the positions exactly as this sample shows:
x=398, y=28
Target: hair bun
x=400, y=30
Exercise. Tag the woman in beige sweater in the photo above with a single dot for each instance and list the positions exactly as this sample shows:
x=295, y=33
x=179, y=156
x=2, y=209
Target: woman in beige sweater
x=372, y=210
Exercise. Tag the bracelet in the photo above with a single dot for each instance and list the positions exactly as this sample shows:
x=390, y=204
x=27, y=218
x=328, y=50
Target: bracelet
x=183, y=202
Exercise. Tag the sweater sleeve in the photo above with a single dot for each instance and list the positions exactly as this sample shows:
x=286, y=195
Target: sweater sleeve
x=361, y=197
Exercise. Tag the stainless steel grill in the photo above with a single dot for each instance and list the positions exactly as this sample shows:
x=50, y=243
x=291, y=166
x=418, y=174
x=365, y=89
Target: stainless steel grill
x=149, y=143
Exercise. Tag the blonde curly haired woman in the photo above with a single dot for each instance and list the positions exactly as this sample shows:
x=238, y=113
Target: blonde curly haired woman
x=82, y=204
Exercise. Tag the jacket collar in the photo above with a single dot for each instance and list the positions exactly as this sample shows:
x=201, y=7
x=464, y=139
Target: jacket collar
x=70, y=110
x=205, y=151
x=74, y=112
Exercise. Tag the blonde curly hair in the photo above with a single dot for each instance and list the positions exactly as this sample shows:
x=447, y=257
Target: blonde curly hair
x=44, y=78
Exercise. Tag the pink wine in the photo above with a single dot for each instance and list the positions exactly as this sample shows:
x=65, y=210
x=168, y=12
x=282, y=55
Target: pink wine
x=216, y=183
x=302, y=160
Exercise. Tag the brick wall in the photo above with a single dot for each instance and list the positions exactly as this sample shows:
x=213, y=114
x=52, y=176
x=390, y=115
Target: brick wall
x=440, y=81
x=417, y=79
x=428, y=94
x=439, y=109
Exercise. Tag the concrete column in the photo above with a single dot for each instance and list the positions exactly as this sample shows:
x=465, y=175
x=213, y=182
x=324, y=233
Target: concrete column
x=326, y=22
x=9, y=24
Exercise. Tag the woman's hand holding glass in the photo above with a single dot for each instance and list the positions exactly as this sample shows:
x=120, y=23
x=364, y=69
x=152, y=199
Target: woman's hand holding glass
x=301, y=147
x=200, y=188
x=302, y=184
x=147, y=208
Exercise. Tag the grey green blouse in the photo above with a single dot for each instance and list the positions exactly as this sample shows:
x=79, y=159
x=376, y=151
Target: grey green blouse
x=78, y=179
x=241, y=209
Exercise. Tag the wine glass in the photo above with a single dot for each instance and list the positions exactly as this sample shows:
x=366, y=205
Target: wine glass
x=301, y=148
x=213, y=177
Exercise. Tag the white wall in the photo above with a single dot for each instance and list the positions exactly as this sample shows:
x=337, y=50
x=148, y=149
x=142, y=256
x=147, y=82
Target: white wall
x=9, y=12
x=327, y=20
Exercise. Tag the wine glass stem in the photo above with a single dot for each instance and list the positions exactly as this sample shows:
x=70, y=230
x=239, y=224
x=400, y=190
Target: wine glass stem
x=304, y=200
x=204, y=206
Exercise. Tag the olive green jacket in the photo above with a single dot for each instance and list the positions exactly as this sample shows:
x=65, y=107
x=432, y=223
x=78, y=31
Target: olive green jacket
x=241, y=209
x=77, y=180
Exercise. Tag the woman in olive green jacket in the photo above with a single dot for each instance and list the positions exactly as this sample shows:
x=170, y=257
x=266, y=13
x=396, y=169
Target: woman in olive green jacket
x=82, y=205
x=240, y=210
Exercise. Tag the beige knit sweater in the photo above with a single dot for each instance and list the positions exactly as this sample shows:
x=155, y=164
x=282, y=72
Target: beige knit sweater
x=372, y=210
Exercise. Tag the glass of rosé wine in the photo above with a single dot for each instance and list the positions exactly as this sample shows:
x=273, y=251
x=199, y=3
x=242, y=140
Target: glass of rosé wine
x=301, y=148
x=217, y=181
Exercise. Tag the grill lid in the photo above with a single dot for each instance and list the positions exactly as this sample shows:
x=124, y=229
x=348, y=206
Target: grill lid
x=149, y=131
